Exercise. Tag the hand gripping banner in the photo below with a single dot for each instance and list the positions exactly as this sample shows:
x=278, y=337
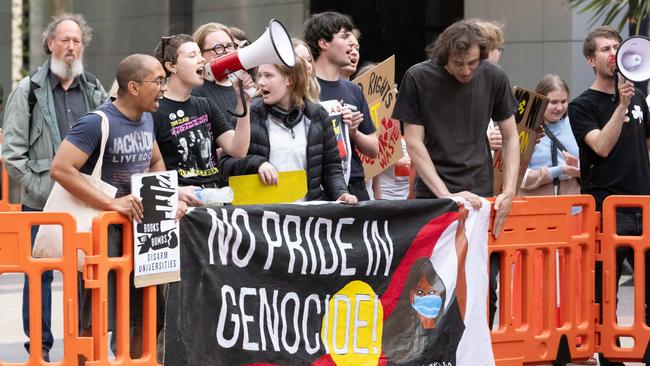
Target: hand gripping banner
x=381, y=283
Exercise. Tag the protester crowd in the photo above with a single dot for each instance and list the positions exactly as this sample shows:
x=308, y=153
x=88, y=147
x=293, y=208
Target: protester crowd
x=166, y=114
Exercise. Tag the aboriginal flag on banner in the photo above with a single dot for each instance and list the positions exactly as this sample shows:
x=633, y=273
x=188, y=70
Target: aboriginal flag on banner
x=380, y=283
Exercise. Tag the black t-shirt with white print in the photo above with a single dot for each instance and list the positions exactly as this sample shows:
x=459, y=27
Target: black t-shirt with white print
x=186, y=133
x=626, y=170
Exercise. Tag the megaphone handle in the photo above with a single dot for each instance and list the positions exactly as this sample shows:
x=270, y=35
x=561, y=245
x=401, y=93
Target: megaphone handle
x=615, y=96
x=243, y=102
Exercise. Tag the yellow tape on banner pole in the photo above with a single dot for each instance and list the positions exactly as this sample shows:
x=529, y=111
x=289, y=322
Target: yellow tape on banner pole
x=249, y=190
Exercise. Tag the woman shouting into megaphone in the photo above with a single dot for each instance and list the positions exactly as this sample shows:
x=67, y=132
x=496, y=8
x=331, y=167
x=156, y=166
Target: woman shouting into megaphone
x=190, y=128
x=291, y=132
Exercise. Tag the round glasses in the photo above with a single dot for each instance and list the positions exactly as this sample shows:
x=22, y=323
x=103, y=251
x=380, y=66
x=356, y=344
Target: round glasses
x=222, y=48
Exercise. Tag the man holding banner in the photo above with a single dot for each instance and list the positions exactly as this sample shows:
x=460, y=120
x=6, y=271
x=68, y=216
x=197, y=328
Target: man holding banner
x=446, y=103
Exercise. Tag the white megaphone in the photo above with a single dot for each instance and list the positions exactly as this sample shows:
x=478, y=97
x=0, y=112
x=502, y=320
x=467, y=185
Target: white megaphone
x=633, y=58
x=273, y=47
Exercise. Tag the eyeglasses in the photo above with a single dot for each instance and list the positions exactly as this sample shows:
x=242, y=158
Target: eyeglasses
x=221, y=48
x=501, y=49
x=162, y=82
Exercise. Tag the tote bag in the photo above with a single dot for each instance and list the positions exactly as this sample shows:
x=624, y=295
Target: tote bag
x=48, y=242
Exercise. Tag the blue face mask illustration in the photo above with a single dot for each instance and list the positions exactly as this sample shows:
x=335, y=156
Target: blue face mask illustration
x=428, y=306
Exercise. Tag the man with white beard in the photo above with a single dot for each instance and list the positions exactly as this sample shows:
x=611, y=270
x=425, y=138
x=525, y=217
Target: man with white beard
x=38, y=115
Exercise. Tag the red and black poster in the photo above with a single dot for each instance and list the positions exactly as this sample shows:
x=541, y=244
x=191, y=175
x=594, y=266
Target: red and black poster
x=380, y=283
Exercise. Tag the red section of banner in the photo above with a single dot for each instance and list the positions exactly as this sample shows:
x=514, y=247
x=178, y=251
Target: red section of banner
x=422, y=246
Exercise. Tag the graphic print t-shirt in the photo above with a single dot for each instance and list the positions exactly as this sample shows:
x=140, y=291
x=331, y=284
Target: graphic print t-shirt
x=128, y=149
x=186, y=133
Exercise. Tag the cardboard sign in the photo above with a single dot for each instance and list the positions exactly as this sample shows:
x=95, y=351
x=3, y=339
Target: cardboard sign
x=334, y=109
x=378, y=86
x=529, y=116
x=156, y=254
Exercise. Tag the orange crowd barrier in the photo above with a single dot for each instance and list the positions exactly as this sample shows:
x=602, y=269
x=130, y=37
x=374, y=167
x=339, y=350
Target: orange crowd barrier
x=638, y=332
x=5, y=204
x=544, y=241
x=96, y=270
x=15, y=256
x=528, y=330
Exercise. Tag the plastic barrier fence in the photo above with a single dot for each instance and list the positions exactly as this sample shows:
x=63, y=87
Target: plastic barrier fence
x=545, y=239
x=528, y=330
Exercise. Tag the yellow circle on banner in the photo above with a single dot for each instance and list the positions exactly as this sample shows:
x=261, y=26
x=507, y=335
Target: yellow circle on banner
x=352, y=326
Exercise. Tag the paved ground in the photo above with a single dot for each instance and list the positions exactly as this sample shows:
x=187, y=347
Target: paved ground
x=12, y=337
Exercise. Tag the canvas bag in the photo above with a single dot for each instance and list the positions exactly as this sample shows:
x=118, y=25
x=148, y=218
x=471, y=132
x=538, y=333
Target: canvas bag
x=48, y=242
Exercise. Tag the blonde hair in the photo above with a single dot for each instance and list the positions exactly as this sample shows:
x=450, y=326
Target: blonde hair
x=299, y=80
x=492, y=31
x=203, y=31
x=313, y=88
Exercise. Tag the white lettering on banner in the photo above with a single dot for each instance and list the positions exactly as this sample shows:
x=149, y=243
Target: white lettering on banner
x=272, y=322
x=310, y=350
x=285, y=328
x=277, y=243
x=245, y=319
x=294, y=245
x=284, y=321
x=328, y=235
x=223, y=342
x=337, y=300
x=358, y=323
x=345, y=271
x=314, y=245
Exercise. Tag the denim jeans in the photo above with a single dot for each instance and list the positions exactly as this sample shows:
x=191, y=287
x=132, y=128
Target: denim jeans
x=46, y=297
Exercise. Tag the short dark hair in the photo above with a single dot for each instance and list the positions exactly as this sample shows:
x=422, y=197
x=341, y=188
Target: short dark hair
x=325, y=26
x=167, y=49
x=605, y=31
x=50, y=30
x=131, y=68
x=457, y=38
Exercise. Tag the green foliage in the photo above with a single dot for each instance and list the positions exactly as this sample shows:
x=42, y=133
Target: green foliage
x=630, y=11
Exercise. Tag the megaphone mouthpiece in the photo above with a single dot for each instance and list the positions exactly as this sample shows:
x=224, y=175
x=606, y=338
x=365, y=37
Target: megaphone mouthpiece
x=633, y=58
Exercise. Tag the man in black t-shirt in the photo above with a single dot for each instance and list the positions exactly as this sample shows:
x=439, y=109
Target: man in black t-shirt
x=446, y=103
x=612, y=133
x=327, y=34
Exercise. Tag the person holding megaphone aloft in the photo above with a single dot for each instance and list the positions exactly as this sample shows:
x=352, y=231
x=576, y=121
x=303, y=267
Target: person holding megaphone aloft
x=189, y=127
x=291, y=132
x=216, y=40
x=612, y=134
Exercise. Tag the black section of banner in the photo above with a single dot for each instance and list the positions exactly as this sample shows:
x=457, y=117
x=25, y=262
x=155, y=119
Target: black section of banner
x=246, y=268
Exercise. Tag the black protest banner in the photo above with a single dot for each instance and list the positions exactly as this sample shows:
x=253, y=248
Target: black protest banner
x=381, y=283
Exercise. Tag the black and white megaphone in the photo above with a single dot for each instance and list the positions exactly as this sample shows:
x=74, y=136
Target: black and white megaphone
x=273, y=47
x=632, y=61
x=633, y=58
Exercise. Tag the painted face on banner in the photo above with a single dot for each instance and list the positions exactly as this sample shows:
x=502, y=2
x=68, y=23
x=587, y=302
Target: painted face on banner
x=275, y=86
x=604, y=59
x=463, y=65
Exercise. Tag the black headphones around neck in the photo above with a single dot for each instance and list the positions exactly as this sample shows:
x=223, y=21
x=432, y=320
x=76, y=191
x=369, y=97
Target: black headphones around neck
x=289, y=118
